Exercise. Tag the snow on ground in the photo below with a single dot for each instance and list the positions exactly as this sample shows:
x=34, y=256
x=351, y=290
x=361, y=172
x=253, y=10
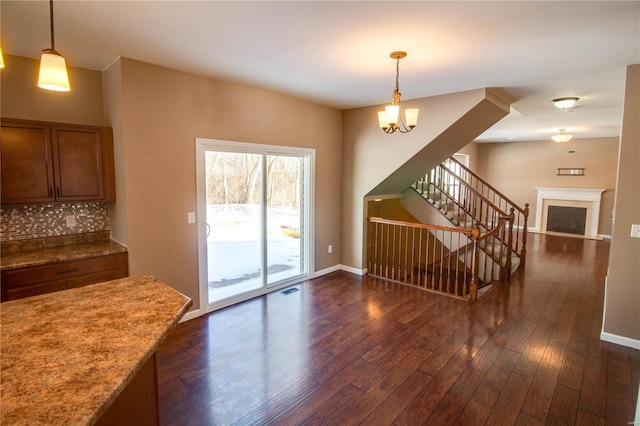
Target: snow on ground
x=233, y=246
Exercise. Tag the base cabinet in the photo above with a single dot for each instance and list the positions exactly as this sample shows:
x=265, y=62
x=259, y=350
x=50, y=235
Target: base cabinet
x=137, y=405
x=32, y=281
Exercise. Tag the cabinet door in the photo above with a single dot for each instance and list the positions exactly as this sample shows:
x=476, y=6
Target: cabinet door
x=77, y=154
x=26, y=163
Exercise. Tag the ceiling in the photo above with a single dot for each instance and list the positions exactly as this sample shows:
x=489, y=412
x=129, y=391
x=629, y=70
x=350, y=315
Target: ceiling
x=337, y=53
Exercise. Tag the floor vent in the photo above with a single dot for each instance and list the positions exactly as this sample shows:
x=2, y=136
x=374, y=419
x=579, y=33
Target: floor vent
x=289, y=291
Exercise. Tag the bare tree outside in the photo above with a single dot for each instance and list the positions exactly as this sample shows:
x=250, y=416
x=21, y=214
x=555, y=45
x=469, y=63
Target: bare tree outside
x=233, y=197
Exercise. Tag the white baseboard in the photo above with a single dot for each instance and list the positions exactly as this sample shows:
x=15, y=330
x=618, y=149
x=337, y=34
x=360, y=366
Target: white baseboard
x=353, y=270
x=620, y=340
x=326, y=271
x=340, y=268
x=191, y=315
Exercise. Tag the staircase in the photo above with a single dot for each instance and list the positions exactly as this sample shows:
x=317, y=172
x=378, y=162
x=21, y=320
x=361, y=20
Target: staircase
x=466, y=200
x=475, y=238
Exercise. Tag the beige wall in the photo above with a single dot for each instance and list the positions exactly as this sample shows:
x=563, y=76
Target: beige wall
x=378, y=163
x=157, y=117
x=516, y=168
x=20, y=97
x=622, y=295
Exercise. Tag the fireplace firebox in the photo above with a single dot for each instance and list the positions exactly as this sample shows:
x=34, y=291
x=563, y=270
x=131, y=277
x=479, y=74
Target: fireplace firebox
x=570, y=220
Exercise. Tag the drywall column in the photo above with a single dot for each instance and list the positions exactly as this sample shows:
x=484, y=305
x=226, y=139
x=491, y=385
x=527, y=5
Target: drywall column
x=621, y=322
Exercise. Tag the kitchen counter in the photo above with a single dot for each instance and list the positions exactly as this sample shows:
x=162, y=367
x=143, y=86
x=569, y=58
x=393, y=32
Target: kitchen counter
x=66, y=356
x=22, y=254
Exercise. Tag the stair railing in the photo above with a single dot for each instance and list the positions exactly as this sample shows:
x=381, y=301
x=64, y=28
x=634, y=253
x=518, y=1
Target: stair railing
x=435, y=258
x=521, y=215
x=446, y=183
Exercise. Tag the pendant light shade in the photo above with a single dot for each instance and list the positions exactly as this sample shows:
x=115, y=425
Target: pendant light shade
x=53, y=72
x=53, y=68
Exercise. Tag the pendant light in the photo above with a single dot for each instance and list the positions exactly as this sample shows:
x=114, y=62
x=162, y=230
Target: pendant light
x=53, y=68
x=390, y=119
x=562, y=137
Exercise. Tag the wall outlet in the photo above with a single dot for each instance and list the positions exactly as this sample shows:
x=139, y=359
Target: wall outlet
x=330, y=249
x=635, y=231
x=70, y=221
x=191, y=217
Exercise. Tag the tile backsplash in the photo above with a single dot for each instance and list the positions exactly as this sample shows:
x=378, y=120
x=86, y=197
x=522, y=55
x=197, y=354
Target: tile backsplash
x=48, y=220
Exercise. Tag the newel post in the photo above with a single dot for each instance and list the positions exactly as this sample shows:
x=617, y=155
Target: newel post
x=523, y=252
x=473, y=290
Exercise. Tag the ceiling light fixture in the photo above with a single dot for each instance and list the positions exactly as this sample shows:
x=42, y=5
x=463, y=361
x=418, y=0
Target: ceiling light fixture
x=562, y=137
x=388, y=119
x=53, y=68
x=565, y=103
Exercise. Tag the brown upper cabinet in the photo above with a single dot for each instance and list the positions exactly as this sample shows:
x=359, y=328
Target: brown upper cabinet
x=47, y=162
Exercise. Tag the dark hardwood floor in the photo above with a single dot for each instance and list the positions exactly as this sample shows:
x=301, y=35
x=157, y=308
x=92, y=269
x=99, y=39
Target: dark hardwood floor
x=348, y=350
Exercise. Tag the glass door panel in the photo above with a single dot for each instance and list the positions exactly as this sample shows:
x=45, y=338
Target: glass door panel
x=234, y=243
x=285, y=230
x=254, y=210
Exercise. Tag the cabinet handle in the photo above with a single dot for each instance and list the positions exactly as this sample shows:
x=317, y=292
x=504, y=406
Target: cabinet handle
x=67, y=271
x=50, y=193
x=57, y=190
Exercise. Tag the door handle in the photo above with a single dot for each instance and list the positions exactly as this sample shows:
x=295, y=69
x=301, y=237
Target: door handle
x=208, y=229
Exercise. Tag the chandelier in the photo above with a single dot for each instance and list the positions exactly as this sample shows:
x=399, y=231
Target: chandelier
x=390, y=119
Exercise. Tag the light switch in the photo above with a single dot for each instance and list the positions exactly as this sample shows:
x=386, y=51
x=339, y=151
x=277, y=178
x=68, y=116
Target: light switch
x=191, y=217
x=635, y=231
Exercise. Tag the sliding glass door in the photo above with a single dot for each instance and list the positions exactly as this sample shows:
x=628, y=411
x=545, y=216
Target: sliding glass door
x=253, y=216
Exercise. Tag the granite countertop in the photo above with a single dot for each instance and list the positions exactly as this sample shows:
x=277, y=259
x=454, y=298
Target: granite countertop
x=47, y=250
x=66, y=356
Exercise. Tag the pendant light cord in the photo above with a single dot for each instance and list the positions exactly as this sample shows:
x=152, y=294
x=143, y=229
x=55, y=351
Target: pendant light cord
x=53, y=40
x=397, y=73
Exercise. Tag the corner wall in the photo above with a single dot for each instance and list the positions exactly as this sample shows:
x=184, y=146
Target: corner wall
x=156, y=117
x=621, y=318
x=379, y=163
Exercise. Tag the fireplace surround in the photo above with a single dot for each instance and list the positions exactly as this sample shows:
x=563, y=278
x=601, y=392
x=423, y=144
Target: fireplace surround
x=569, y=197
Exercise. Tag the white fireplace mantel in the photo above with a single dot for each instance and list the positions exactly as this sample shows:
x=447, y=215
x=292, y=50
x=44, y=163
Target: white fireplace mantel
x=586, y=195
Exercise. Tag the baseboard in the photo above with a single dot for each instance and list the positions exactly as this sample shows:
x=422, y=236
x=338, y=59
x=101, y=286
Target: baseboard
x=191, y=315
x=340, y=268
x=326, y=271
x=353, y=270
x=620, y=340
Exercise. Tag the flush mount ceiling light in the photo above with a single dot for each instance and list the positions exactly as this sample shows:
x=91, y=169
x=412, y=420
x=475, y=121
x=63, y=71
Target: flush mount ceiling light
x=565, y=103
x=562, y=137
x=388, y=119
x=53, y=68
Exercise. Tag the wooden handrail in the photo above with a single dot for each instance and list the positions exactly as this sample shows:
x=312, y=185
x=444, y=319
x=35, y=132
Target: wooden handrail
x=420, y=225
x=477, y=189
x=517, y=207
x=479, y=194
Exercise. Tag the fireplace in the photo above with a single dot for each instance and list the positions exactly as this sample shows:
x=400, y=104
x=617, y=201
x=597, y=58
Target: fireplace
x=570, y=220
x=584, y=203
